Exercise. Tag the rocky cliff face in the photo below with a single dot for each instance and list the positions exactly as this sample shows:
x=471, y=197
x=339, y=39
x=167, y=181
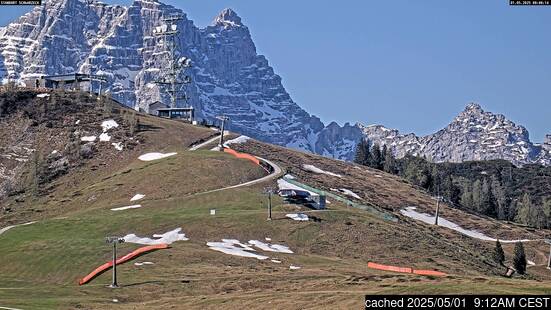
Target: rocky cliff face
x=229, y=77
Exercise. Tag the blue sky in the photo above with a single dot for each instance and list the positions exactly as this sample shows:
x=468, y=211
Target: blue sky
x=410, y=65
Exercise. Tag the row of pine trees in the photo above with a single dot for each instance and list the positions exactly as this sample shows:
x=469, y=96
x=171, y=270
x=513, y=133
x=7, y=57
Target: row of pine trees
x=492, y=195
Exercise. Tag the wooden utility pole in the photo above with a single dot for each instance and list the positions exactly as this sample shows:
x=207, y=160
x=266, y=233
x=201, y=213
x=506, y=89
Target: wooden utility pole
x=438, y=199
x=114, y=241
x=269, y=191
x=222, y=118
x=548, y=241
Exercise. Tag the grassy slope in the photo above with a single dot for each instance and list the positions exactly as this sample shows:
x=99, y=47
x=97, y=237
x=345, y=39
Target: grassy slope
x=41, y=263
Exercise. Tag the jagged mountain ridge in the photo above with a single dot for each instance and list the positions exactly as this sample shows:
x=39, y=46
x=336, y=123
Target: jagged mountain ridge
x=473, y=135
x=229, y=77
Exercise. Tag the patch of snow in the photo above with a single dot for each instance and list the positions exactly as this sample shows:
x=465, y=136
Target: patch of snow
x=137, y=197
x=297, y=216
x=531, y=263
x=104, y=137
x=118, y=146
x=143, y=263
x=429, y=219
x=3, y=230
x=289, y=176
x=268, y=239
x=276, y=261
x=126, y=208
x=43, y=95
x=54, y=152
x=236, y=248
x=77, y=122
x=155, y=156
x=315, y=169
x=238, y=140
x=294, y=267
x=88, y=138
x=270, y=247
x=282, y=184
x=346, y=192
x=168, y=238
x=108, y=124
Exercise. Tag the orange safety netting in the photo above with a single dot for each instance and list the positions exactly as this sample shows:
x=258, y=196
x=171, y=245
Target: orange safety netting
x=242, y=155
x=429, y=272
x=389, y=268
x=405, y=270
x=121, y=260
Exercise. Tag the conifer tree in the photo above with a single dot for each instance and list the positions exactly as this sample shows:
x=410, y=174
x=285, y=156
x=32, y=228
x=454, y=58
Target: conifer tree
x=389, y=161
x=499, y=255
x=376, y=157
x=519, y=259
x=467, y=196
x=362, y=156
x=523, y=213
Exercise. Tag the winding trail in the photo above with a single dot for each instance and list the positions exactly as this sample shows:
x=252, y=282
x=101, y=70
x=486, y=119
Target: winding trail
x=198, y=146
x=274, y=175
x=277, y=172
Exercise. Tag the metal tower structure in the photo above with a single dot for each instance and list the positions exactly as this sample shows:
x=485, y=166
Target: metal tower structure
x=168, y=33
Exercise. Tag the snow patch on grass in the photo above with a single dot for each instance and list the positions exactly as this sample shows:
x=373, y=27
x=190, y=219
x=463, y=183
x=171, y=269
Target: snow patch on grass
x=155, y=156
x=294, y=267
x=43, y=95
x=282, y=184
x=236, y=248
x=270, y=247
x=108, y=124
x=143, y=263
x=118, y=146
x=238, y=140
x=429, y=219
x=137, y=197
x=314, y=169
x=126, y=208
x=88, y=139
x=297, y=216
x=3, y=230
x=168, y=238
x=104, y=137
x=347, y=192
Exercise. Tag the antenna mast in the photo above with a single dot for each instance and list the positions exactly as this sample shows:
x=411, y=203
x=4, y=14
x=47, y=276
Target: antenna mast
x=168, y=33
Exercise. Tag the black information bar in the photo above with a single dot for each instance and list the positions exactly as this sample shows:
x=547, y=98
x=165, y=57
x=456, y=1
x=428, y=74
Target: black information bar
x=398, y=302
x=20, y=2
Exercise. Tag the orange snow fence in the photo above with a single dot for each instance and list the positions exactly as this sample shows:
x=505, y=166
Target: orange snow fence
x=121, y=260
x=242, y=155
x=429, y=273
x=405, y=270
x=389, y=268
